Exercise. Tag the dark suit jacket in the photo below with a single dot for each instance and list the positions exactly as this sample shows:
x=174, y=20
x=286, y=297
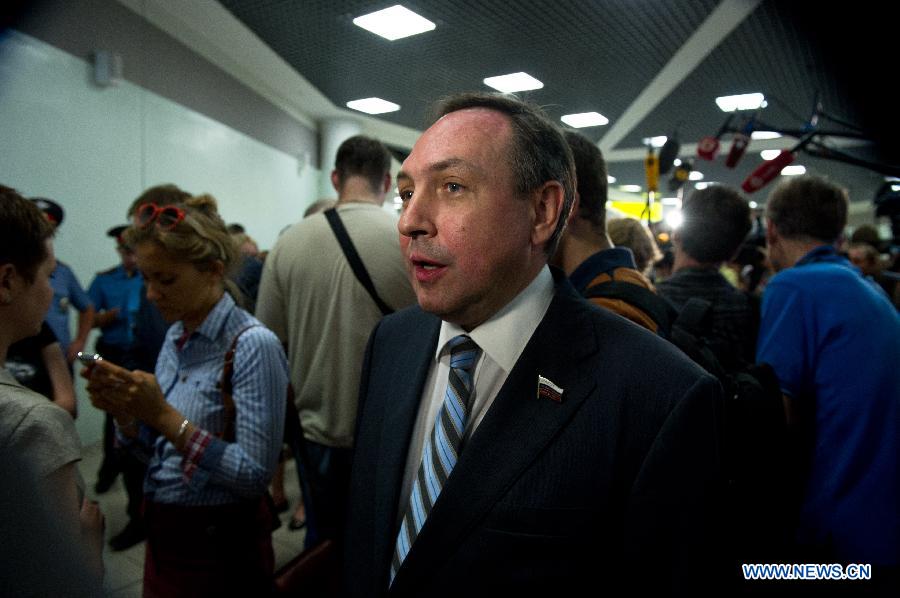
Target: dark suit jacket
x=610, y=488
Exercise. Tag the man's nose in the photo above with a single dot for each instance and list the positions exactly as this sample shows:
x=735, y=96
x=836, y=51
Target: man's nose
x=417, y=218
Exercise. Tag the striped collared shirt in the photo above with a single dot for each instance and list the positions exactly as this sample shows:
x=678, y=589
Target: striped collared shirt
x=213, y=471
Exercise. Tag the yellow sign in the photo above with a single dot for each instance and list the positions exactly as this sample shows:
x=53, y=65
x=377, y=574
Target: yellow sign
x=635, y=209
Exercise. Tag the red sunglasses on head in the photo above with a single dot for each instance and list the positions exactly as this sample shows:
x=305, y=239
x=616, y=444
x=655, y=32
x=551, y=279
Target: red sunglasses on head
x=166, y=217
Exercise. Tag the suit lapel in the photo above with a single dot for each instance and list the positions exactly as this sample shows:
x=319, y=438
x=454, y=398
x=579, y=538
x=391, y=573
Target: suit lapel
x=514, y=431
x=400, y=406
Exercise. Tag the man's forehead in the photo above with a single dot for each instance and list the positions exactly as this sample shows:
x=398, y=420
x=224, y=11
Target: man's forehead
x=462, y=139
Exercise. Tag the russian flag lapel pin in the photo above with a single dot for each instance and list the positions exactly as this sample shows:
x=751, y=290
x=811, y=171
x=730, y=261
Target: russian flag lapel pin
x=548, y=390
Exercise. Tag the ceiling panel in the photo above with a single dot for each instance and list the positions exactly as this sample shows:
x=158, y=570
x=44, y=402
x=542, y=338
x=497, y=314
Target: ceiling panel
x=601, y=55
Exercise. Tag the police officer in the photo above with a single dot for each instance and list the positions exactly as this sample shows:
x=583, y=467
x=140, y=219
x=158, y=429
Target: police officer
x=116, y=295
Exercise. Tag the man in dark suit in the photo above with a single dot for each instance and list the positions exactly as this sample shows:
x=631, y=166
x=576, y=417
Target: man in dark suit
x=511, y=436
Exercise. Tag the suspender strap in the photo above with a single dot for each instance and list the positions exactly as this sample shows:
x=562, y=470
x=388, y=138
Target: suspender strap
x=353, y=258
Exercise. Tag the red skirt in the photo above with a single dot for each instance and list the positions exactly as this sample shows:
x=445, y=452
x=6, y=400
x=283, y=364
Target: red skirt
x=223, y=550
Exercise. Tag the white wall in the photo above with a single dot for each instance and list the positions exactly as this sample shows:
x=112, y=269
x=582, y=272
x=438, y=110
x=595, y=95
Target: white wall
x=95, y=149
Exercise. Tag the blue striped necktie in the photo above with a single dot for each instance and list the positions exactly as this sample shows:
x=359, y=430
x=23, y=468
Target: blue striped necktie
x=441, y=448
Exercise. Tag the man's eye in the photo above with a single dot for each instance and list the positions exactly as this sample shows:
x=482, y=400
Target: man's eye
x=453, y=187
x=406, y=195
x=167, y=281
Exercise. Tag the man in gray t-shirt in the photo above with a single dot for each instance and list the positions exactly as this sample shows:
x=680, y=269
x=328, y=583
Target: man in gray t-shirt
x=310, y=297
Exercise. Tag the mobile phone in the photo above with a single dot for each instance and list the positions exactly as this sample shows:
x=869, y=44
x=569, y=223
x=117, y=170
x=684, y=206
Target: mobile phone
x=88, y=358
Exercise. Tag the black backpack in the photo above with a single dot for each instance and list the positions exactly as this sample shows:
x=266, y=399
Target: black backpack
x=755, y=443
x=657, y=308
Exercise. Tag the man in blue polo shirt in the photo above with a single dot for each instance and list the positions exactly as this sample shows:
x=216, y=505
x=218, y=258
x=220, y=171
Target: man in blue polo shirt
x=833, y=338
x=115, y=294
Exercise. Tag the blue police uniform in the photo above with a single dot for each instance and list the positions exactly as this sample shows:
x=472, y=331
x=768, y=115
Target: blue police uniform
x=115, y=288
x=67, y=291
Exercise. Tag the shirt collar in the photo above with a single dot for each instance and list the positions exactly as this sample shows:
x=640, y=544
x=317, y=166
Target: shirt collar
x=605, y=260
x=7, y=378
x=504, y=335
x=822, y=253
x=215, y=321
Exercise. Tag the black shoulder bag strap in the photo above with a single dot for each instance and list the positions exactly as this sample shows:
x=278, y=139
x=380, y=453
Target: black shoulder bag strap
x=646, y=300
x=353, y=258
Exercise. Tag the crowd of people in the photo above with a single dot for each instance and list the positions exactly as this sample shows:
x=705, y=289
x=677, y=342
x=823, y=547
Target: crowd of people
x=512, y=394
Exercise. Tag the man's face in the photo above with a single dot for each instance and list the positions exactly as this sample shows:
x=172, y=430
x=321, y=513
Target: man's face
x=465, y=232
x=37, y=296
x=129, y=262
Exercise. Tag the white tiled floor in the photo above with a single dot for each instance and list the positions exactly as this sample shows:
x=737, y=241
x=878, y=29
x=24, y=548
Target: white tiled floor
x=124, y=570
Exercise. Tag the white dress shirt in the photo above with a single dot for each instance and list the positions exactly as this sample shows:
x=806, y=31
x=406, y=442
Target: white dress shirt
x=502, y=338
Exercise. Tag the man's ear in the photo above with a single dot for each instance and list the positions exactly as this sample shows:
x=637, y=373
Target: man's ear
x=547, y=205
x=387, y=183
x=771, y=233
x=335, y=181
x=8, y=283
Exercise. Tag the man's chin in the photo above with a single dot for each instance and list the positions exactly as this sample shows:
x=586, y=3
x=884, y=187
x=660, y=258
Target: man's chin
x=431, y=304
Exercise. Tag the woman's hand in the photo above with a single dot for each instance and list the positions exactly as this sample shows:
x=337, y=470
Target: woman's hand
x=127, y=395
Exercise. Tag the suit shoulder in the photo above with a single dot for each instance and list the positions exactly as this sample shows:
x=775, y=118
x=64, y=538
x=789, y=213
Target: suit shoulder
x=407, y=319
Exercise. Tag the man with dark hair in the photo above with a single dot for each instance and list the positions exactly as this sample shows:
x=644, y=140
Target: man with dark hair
x=35, y=434
x=312, y=298
x=67, y=291
x=509, y=439
x=833, y=339
x=605, y=274
x=716, y=221
x=365, y=158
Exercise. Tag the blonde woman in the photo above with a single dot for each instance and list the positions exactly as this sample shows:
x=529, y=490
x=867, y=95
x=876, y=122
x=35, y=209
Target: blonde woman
x=630, y=233
x=211, y=453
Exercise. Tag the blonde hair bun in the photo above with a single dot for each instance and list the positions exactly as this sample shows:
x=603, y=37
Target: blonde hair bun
x=205, y=203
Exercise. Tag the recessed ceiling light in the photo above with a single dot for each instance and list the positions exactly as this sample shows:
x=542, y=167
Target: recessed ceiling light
x=676, y=162
x=793, y=170
x=610, y=179
x=764, y=135
x=393, y=23
x=670, y=201
x=753, y=205
x=701, y=186
x=895, y=187
x=695, y=175
x=746, y=101
x=513, y=82
x=769, y=154
x=373, y=106
x=584, y=119
x=631, y=188
x=655, y=141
